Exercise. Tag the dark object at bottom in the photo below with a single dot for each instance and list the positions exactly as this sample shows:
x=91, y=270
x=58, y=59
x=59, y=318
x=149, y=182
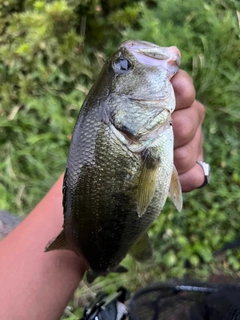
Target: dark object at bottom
x=186, y=302
x=170, y=302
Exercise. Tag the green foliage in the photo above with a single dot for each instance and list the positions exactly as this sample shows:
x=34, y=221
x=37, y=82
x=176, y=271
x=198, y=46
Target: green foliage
x=45, y=77
x=50, y=53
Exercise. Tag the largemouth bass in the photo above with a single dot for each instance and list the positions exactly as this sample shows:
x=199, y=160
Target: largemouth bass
x=120, y=164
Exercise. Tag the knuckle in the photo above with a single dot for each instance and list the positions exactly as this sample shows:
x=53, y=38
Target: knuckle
x=183, y=128
x=183, y=158
x=201, y=110
x=184, y=89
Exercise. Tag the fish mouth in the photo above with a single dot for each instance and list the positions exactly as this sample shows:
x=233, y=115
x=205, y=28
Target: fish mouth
x=153, y=55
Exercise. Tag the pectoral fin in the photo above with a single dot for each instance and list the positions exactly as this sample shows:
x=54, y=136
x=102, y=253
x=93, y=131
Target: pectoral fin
x=142, y=249
x=58, y=243
x=147, y=183
x=176, y=190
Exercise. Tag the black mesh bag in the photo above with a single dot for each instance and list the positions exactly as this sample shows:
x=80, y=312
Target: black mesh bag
x=185, y=302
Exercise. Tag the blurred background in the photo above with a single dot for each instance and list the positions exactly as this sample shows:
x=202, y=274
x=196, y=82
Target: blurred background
x=50, y=54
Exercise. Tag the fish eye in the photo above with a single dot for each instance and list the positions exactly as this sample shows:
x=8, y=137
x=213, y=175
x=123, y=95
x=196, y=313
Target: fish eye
x=122, y=65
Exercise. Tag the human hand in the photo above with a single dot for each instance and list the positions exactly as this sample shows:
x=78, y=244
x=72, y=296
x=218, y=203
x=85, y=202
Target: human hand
x=187, y=127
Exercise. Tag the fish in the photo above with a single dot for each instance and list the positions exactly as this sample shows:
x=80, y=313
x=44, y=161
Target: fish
x=120, y=167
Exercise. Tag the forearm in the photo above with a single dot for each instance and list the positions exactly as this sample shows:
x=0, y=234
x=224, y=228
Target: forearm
x=34, y=284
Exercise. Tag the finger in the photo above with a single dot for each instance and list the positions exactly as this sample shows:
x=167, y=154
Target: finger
x=186, y=122
x=184, y=90
x=186, y=156
x=192, y=179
